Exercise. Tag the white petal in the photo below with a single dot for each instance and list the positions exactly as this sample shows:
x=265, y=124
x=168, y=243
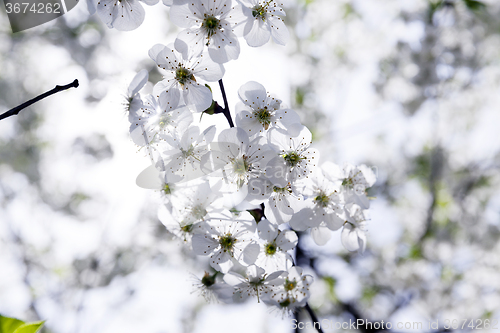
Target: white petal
x=149, y=178
x=252, y=93
x=190, y=42
x=279, y=31
x=203, y=244
x=321, y=235
x=257, y=32
x=333, y=221
x=248, y=122
x=207, y=69
x=290, y=120
x=233, y=278
x=276, y=171
x=287, y=240
x=129, y=16
x=302, y=219
x=250, y=254
x=224, y=46
x=275, y=215
x=182, y=15
x=197, y=95
x=267, y=230
x=138, y=82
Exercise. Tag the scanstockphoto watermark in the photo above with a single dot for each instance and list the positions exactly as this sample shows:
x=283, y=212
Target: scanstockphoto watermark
x=326, y=324
x=470, y=324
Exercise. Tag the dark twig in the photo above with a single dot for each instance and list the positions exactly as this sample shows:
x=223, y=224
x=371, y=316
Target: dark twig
x=57, y=89
x=226, y=112
x=314, y=319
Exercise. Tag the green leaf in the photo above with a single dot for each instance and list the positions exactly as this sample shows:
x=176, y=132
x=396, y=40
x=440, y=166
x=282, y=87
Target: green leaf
x=474, y=4
x=9, y=325
x=30, y=327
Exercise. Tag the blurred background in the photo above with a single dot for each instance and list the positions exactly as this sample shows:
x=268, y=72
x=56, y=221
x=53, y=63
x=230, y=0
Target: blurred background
x=409, y=87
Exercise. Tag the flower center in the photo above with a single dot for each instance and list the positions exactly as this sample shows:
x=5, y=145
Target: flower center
x=163, y=121
x=187, y=228
x=208, y=280
x=240, y=165
x=290, y=285
x=292, y=158
x=188, y=152
x=347, y=182
x=227, y=242
x=166, y=189
x=183, y=75
x=264, y=117
x=199, y=212
x=282, y=189
x=259, y=12
x=322, y=199
x=285, y=303
x=270, y=248
x=211, y=25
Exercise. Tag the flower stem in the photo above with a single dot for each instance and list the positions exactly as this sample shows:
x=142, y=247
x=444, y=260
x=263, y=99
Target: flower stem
x=226, y=112
x=57, y=89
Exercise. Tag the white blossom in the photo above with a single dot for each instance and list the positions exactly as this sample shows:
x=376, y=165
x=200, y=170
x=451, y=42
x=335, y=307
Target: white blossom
x=275, y=245
x=182, y=153
x=354, y=180
x=207, y=23
x=211, y=289
x=153, y=118
x=124, y=15
x=294, y=160
x=263, y=20
x=354, y=231
x=294, y=292
x=258, y=111
x=180, y=75
x=238, y=159
x=227, y=237
x=323, y=205
x=255, y=283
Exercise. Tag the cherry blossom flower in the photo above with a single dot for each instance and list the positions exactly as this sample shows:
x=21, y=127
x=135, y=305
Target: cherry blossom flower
x=211, y=289
x=207, y=23
x=255, y=282
x=354, y=180
x=294, y=292
x=295, y=159
x=182, y=230
x=191, y=204
x=263, y=20
x=258, y=111
x=282, y=204
x=183, y=153
x=238, y=159
x=322, y=208
x=276, y=243
x=133, y=99
x=123, y=15
x=180, y=74
x=227, y=237
x=354, y=231
x=154, y=118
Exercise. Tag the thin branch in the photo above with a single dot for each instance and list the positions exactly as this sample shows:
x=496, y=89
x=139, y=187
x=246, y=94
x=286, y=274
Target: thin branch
x=226, y=112
x=314, y=318
x=57, y=89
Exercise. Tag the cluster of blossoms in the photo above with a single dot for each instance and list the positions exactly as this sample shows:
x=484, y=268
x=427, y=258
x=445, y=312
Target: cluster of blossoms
x=211, y=181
